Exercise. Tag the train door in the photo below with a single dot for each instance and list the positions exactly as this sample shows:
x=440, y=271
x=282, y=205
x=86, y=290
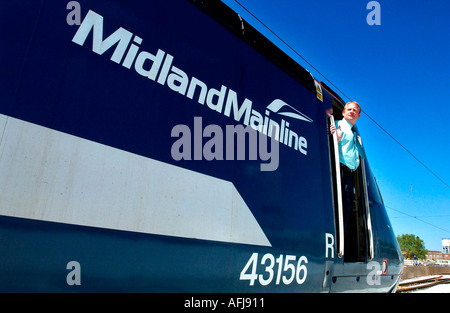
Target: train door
x=353, y=230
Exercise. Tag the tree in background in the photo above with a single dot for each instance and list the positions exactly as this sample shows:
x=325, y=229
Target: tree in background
x=412, y=245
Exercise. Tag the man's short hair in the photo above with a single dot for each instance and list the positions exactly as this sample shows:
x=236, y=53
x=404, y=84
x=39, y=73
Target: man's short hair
x=354, y=102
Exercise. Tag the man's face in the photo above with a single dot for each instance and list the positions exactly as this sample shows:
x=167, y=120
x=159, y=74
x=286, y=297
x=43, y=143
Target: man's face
x=351, y=113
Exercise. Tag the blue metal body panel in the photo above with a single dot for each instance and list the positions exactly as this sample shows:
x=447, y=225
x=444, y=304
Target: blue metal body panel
x=49, y=80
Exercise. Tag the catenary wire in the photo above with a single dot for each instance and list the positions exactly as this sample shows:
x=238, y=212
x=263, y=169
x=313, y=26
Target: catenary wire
x=415, y=217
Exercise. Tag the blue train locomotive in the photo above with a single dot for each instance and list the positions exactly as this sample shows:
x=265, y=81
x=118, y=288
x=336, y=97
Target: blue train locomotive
x=167, y=146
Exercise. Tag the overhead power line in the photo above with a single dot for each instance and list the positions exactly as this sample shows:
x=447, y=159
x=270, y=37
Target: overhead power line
x=421, y=216
x=404, y=148
x=409, y=184
x=417, y=218
x=342, y=93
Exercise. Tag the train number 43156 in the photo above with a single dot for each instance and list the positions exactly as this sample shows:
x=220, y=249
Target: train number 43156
x=285, y=268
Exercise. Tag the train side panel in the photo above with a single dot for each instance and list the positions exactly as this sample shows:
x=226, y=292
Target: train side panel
x=108, y=131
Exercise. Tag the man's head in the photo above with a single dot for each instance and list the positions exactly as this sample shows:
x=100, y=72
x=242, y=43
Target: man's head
x=352, y=111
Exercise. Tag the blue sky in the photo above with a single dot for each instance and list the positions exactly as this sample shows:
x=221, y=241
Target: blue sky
x=399, y=72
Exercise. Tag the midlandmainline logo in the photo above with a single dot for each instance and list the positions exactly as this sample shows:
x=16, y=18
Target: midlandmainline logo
x=159, y=67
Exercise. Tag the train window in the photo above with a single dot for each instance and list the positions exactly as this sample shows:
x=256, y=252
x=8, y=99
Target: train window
x=353, y=229
x=372, y=188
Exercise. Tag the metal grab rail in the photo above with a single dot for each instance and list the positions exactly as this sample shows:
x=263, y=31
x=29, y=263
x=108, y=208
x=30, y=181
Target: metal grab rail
x=339, y=192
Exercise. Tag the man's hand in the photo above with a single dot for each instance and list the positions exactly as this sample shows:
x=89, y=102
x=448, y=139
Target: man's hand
x=338, y=133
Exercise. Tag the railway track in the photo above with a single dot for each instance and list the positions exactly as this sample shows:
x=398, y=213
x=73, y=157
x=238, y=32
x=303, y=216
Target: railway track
x=422, y=282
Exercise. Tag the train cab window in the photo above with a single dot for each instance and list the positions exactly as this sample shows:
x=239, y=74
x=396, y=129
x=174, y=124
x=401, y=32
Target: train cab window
x=353, y=226
x=373, y=190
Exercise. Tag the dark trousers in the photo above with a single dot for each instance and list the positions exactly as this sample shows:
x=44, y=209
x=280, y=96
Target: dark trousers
x=348, y=194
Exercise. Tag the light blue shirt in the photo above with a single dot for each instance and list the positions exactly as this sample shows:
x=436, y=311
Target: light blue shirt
x=349, y=147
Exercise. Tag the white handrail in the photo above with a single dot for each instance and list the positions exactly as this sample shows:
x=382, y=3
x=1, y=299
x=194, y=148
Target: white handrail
x=339, y=192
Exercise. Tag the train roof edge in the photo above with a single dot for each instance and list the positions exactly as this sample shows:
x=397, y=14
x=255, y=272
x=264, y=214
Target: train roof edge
x=236, y=24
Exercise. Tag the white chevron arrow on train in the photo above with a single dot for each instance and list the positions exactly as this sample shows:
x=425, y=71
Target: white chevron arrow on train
x=52, y=176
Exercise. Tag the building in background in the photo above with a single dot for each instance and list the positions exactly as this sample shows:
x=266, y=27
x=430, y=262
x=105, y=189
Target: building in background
x=445, y=245
x=440, y=257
